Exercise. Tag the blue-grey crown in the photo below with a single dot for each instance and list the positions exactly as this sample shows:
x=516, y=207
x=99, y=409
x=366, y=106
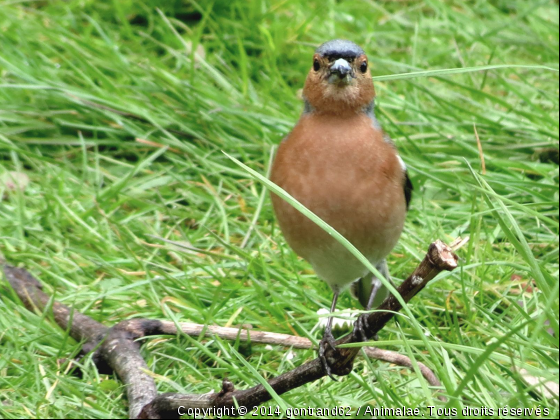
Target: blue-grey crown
x=339, y=48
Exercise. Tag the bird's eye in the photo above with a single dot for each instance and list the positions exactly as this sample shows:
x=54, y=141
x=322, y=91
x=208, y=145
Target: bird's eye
x=363, y=67
x=316, y=65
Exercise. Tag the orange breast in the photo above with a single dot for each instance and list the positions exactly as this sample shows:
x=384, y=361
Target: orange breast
x=343, y=171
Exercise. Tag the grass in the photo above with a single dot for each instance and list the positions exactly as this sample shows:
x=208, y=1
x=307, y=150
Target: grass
x=118, y=112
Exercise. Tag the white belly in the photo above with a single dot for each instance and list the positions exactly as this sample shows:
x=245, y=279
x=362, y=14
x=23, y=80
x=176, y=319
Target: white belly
x=337, y=266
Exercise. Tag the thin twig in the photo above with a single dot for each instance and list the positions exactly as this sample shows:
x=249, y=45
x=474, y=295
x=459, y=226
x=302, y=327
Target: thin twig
x=285, y=340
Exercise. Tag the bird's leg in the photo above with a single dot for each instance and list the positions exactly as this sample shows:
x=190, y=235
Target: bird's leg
x=328, y=339
x=361, y=324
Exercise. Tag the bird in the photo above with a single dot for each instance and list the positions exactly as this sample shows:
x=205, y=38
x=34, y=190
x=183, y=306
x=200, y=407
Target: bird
x=339, y=163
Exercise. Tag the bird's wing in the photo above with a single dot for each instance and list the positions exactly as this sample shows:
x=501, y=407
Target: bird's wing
x=408, y=187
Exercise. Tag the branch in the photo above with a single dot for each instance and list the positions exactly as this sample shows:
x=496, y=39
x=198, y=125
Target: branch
x=286, y=340
x=439, y=257
x=117, y=346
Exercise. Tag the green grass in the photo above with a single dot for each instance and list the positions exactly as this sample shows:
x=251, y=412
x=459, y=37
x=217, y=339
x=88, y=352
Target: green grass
x=82, y=81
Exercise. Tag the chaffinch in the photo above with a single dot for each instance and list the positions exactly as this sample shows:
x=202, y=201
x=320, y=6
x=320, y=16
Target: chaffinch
x=338, y=162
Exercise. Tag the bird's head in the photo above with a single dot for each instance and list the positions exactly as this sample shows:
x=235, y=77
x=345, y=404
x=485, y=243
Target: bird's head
x=339, y=80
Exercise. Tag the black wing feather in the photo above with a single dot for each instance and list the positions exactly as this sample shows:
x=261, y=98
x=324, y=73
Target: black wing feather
x=407, y=189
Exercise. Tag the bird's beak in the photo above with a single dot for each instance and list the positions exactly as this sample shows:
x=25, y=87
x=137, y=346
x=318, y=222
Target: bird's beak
x=341, y=72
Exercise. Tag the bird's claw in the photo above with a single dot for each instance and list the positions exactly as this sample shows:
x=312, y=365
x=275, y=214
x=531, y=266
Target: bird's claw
x=360, y=327
x=327, y=340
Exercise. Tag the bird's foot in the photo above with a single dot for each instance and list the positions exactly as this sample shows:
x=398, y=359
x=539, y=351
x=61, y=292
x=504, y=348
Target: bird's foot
x=327, y=341
x=360, y=327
